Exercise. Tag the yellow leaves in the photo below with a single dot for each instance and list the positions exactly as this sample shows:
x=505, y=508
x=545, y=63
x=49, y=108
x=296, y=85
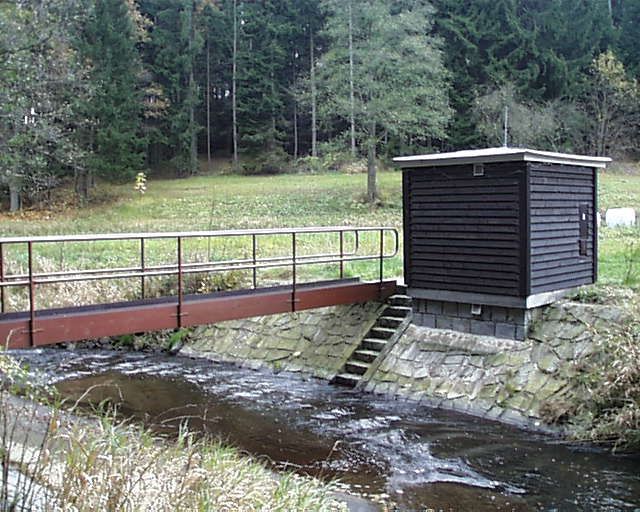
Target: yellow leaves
x=141, y=183
x=611, y=70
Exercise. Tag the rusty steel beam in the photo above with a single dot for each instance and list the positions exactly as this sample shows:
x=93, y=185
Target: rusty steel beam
x=84, y=323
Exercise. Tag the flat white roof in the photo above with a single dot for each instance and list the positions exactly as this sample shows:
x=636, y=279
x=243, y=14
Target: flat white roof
x=490, y=155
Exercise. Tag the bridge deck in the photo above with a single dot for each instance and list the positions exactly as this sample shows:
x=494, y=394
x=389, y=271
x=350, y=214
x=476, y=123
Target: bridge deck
x=246, y=252
x=89, y=322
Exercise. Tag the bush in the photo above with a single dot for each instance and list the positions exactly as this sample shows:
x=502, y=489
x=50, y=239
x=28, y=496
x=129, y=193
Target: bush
x=608, y=410
x=310, y=165
x=275, y=161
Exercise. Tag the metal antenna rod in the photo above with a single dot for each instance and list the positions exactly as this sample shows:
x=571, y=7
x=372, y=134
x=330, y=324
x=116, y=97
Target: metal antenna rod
x=506, y=126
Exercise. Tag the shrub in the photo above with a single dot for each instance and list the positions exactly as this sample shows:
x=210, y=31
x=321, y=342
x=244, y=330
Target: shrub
x=608, y=409
x=275, y=161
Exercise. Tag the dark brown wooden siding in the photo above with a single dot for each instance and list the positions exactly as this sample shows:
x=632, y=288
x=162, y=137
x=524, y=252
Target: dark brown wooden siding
x=556, y=193
x=463, y=232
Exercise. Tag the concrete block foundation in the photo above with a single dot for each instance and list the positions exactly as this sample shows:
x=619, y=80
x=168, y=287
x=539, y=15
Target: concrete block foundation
x=498, y=321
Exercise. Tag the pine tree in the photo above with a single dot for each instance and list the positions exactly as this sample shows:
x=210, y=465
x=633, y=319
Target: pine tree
x=175, y=43
x=264, y=64
x=115, y=109
x=543, y=47
x=629, y=39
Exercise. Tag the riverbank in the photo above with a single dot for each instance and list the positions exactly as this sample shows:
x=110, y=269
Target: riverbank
x=577, y=374
x=398, y=451
x=60, y=461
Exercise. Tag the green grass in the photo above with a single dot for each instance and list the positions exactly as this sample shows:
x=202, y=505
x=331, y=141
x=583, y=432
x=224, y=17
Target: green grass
x=223, y=202
x=250, y=202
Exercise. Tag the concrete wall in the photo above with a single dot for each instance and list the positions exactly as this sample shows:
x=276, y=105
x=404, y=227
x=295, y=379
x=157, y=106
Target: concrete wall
x=501, y=322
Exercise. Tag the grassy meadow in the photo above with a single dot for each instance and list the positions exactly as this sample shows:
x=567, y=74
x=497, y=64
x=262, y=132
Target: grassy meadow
x=227, y=201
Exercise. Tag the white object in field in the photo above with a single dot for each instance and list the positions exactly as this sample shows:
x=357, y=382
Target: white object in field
x=620, y=217
x=598, y=219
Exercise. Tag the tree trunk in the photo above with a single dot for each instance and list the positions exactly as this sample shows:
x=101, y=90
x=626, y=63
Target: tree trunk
x=372, y=187
x=208, y=104
x=82, y=185
x=602, y=125
x=352, y=120
x=272, y=138
x=193, y=150
x=15, y=198
x=295, y=129
x=314, y=121
x=234, y=104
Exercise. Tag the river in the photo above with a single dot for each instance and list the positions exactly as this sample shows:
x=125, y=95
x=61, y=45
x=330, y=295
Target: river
x=412, y=455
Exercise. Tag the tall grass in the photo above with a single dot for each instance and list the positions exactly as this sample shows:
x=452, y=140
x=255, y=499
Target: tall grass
x=53, y=461
x=607, y=407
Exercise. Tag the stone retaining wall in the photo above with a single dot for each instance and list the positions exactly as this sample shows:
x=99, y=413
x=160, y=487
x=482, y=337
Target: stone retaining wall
x=520, y=382
x=517, y=382
x=317, y=342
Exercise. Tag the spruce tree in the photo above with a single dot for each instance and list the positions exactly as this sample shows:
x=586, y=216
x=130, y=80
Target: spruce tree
x=115, y=109
x=175, y=42
x=629, y=38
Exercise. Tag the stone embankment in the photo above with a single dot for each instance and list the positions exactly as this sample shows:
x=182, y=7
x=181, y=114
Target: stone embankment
x=317, y=342
x=520, y=382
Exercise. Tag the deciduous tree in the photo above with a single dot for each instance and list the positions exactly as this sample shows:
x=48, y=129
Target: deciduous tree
x=399, y=81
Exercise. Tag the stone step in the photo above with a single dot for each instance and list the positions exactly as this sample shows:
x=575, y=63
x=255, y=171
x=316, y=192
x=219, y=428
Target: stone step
x=383, y=333
x=356, y=367
x=401, y=289
x=390, y=322
x=400, y=300
x=373, y=344
x=368, y=356
x=346, y=379
x=397, y=311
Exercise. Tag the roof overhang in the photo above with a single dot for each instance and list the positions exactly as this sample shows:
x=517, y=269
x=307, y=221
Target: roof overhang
x=492, y=155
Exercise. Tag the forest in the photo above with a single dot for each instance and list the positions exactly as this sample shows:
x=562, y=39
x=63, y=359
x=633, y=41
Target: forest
x=95, y=90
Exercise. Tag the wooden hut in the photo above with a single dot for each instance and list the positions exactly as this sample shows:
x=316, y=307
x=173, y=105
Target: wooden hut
x=491, y=234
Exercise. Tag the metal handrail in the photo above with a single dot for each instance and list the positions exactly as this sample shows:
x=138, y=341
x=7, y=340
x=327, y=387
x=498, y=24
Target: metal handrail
x=17, y=279
x=187, y=234
x=31, y=279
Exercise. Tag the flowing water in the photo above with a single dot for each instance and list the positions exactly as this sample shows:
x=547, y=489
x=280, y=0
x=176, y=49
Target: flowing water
x=421, y=458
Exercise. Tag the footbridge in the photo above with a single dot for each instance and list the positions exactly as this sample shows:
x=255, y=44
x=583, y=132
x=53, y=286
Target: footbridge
x=57, y=289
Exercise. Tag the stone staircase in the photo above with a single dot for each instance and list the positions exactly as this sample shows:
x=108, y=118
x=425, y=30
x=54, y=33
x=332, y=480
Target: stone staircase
x=389, y=326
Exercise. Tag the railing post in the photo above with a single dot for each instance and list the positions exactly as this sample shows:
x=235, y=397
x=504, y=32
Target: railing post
x=142, y=268
x=32, y=294
x=293, y=280
x=254, y=251
x=341, y=254
x=381, y=258
x=2, y=278
x=179, y=322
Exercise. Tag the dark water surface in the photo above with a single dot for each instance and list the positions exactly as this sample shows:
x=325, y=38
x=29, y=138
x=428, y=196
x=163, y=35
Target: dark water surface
x=420, y=457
